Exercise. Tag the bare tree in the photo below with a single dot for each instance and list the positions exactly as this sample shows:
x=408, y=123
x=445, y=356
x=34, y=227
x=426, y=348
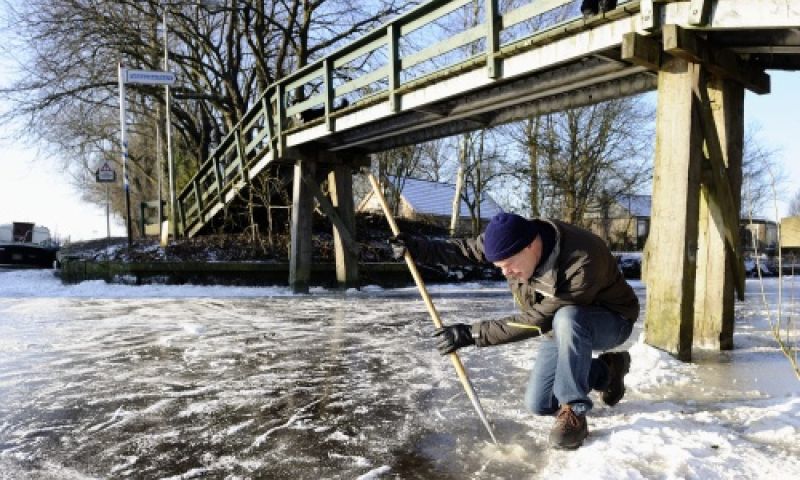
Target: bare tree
x=580, y=159
x=225, y=55
x=484, y=165
x=762, y=177
x=395, y=166
x=794, y=205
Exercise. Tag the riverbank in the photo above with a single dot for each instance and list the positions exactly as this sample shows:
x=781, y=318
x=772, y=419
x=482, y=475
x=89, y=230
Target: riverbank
x=246, y=260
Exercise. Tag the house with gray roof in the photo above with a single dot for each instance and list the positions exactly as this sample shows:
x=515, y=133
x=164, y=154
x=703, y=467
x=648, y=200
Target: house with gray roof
x=624, y=223
x=424, y=200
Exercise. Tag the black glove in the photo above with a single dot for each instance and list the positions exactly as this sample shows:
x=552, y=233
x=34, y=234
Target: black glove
x=399, y=244
x=453, y=337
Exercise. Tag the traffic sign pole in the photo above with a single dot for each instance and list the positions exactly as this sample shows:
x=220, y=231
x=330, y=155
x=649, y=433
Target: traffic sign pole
x=173, y=214
x=124, y=145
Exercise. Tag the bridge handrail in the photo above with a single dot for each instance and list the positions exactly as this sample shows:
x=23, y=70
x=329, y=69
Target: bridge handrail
x=264, y=126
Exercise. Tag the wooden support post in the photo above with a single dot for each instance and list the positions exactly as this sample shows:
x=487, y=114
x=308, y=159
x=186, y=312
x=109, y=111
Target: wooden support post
x=699, y=11
x=493, y=20
x=240, y=157
x=280, y=120
x=302, y=216
x=671, y=255
x=340, y=184
x=648, y=14
x=269, y=117
x=641, y=50
x=719, y=266
x=719, y=61
x=327, y=67
x=393, y=34
x=218, y=178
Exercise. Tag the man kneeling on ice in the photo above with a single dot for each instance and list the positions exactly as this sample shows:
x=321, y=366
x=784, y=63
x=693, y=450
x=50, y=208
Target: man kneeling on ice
x=569, y=290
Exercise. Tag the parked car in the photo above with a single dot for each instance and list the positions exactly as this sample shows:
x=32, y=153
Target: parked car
x=767, y=268
x=631, y=267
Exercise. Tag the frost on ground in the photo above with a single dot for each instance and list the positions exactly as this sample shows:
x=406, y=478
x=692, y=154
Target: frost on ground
x=111, y=381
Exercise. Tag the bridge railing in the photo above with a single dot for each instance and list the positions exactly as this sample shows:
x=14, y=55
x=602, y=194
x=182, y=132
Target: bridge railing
x=437, y=39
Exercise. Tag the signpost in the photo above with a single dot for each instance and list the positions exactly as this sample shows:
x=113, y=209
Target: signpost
x=105, y=174
x=142, y=77
x=150, y=77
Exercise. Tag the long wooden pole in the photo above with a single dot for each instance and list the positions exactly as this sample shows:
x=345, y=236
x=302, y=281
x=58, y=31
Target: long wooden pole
x=412, y=267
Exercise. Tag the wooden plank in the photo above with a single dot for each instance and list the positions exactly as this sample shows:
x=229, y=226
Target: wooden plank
x=241, y=159
x=420, y=21
x=198, y=199
x=641, y=50
x=670, y=255
x=741, y=14
x=393, y=33
x=647, y=12
x=362, y=81
x=699, y=11
x=310, y=102
x=529, y=11
x=718, y=263
x=300, y=81
x=340, y=184
x=325, y=204
x=720, y=61
x=493, y=28
x=721, y=190
x=302, y=215
x=218, y=178
x=280, y=117
x=328, y=93
x=452, y=43
x=340, y=61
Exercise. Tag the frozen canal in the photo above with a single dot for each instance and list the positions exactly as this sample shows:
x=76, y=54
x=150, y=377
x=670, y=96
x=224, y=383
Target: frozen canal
x=110, y=381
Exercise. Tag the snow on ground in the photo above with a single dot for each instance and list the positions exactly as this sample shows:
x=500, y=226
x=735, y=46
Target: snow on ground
x=179, y=382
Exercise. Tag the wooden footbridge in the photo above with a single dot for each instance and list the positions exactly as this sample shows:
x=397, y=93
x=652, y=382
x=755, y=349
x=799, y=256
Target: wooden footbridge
x=413, y=80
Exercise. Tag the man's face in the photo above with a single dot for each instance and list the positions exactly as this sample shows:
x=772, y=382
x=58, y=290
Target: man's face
x=521, y=265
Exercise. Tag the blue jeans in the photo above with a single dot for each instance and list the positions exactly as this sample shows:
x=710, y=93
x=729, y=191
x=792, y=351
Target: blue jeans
x=564, y=371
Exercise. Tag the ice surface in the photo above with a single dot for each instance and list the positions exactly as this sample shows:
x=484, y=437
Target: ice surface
x=113, y=381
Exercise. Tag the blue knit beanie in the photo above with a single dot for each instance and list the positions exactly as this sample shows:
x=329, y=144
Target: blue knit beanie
x=506, y=235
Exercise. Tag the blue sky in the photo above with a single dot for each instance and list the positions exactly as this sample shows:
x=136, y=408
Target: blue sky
x=32, y=187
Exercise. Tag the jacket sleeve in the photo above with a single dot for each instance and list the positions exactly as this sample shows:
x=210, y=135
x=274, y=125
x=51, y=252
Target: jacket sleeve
x=536, y=318
x=451, y=252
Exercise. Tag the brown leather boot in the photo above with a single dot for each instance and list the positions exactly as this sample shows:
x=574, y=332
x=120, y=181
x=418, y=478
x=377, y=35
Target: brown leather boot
x=569, y=430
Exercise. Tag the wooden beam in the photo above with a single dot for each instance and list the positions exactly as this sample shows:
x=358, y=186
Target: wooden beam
x=340, y=184
x=720, y=267
x=325, y=204
x=699, y=11
x=720, y=187
x=641, y=50
x=647, y=14
x=302, y=215
x=672, y=244
x=720, y=61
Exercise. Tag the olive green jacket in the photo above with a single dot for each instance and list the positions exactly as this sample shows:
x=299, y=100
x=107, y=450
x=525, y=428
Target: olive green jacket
x=579, y=271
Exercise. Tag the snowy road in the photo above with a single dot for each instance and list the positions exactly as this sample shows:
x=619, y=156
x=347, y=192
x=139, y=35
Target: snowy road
x=109, y=381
